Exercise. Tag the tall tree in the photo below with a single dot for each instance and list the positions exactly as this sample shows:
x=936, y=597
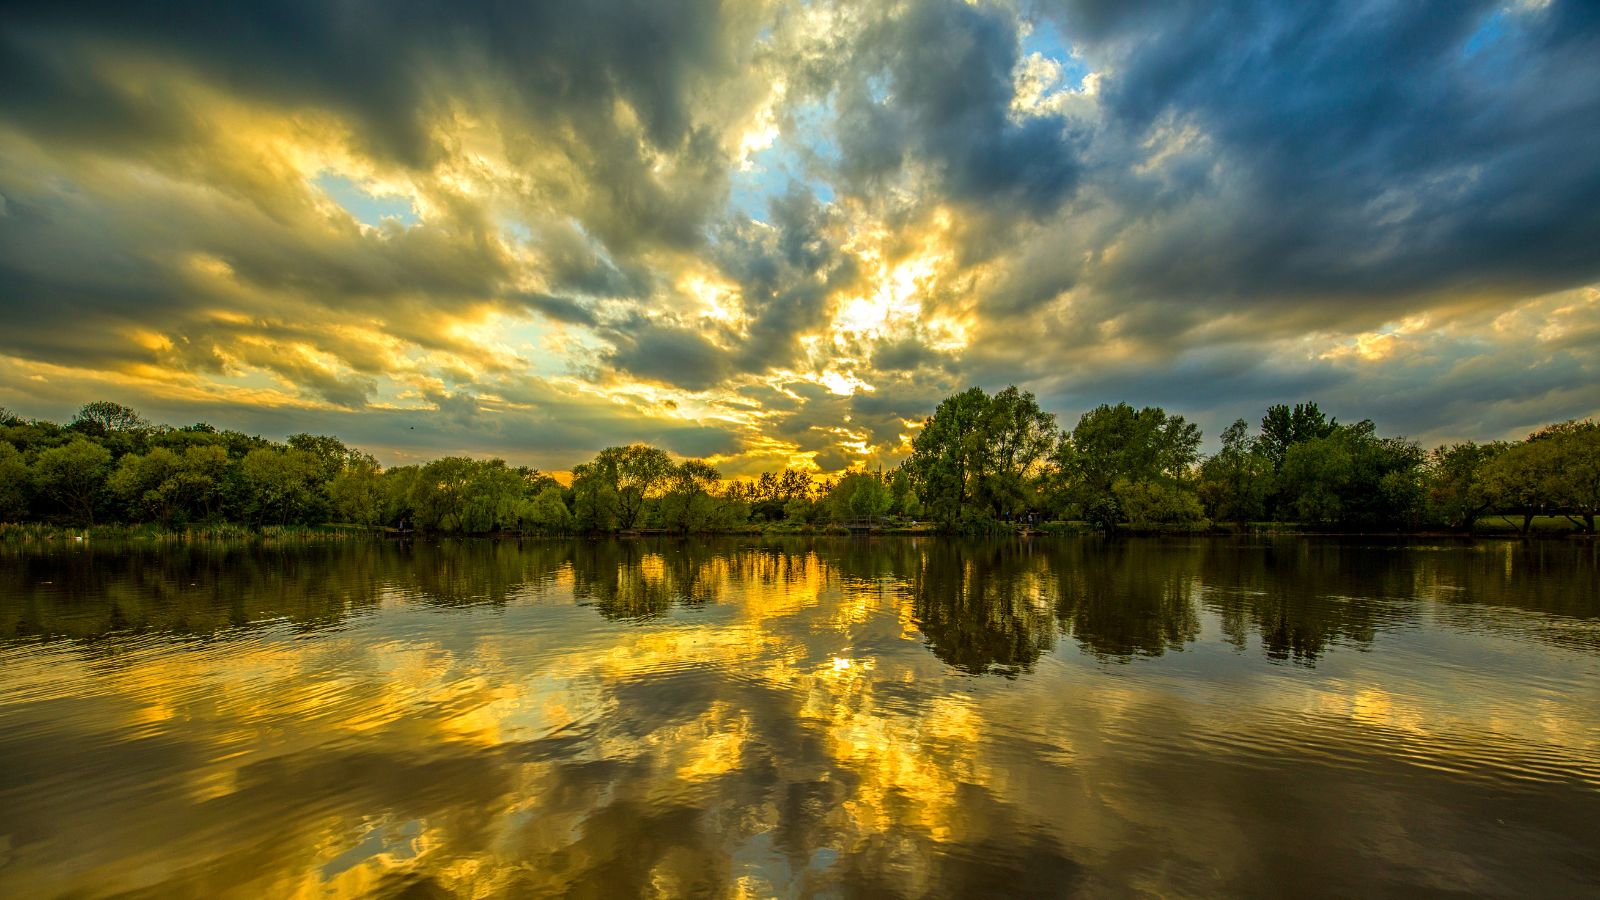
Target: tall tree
x=1283, y=427
x=357, y=493
x=1353, y=479
x=105, y=416
x=1456, y=479
x=1234, y=482
x=1018, y=436
x=949, y=455
x=13, y=484
x=1112, y=443
x=635, y=474
x=284, y=486
x=1572, y=470
x=687, y=504
x=74, y=475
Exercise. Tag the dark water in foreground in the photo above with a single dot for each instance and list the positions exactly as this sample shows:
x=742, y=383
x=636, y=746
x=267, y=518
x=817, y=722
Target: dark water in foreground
x=902, y=717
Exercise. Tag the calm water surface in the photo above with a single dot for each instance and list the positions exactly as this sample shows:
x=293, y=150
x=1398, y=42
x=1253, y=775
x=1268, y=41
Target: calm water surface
x=829, y=718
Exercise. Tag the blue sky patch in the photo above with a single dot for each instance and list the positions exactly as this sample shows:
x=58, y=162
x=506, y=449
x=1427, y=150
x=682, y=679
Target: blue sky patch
x=370, y=209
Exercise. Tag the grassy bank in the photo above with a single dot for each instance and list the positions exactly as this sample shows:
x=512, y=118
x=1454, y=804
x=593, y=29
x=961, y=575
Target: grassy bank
x=37, y=533
x=20, y=533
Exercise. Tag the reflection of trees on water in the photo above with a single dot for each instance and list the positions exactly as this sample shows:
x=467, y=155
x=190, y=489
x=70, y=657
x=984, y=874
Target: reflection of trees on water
x=641, y=580
x=873, y=559
x=1122, y=599
x=977, y=603
x=204, y=589
x=182, y=589
x=1554, y=580
x=1301, y=597
x=979, y=606
x=473, y=572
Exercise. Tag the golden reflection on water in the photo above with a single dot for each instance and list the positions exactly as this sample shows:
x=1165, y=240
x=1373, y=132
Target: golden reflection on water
x=800, y=718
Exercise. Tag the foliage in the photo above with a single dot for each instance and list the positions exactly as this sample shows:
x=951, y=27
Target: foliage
x=1113, y=443
x=634, y=474
x=546, y=513
x=166, y=486
x=859, y=495
x=980, y=455
x=357, y=493
x=282, y=486
x=1234, y=483
x=73, y=475
x=13, y=483
x=978, y=463
x=104, y=416
x=1352, y=478
x=1147, y=503
x=1283, y=427
x=1457, y=482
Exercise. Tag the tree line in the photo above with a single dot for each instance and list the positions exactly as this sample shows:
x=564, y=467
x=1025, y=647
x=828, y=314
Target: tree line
x=982, y=462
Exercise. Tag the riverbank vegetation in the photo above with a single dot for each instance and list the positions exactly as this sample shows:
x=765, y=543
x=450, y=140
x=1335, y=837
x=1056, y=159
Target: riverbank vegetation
x=981, y=463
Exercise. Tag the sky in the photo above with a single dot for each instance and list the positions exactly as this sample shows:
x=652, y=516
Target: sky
x=773, y=234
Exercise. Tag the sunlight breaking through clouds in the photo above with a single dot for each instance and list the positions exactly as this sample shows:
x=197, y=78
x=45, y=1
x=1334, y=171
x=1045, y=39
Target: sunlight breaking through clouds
x=535, y=233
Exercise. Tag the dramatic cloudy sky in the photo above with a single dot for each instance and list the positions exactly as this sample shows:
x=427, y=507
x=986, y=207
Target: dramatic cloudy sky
x=773, y=233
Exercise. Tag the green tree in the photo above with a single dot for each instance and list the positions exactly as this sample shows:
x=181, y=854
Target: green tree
x=104, y=416
x=1120, y=442
x=494, y=496
x=1234, y=483
x=859, y=495
x=948, y=455
x=13, y=483
x=1353, y=478
x=74, y=475
x=330, y=453
x=636, y=474
x=398, y=486
x=1283, y=427
x=148, y=485
x=1456, y=479
x=1147, y=502
x=594, y=502
x=357, y=493
x=1017, y=438
x=283, y=486
x=903, y=500
x=202, y=478
x=688, y=504
x=1571, y=469
x=440, y=493
x=546, y=512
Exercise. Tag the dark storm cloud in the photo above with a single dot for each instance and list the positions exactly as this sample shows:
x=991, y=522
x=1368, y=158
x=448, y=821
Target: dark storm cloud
x=549, y=76
x=668, y=354
x=907, y=355
x=944, y=70
x=1364, y=151
x=79, y=266
x=573, y=262
x=786, y=270
x=374, y=62
x=561, y=309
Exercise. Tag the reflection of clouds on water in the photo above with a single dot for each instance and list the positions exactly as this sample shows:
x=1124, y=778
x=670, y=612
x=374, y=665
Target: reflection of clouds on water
x=793, y=718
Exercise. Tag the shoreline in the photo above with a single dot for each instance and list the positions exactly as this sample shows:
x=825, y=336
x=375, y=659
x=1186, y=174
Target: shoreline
x=20, y=534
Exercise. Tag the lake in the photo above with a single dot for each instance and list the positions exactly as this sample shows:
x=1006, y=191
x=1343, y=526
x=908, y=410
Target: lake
x=896, y=717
